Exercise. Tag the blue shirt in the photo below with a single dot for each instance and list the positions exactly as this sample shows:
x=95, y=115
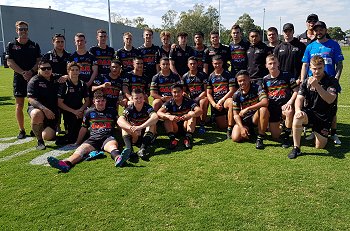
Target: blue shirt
x=330, y=51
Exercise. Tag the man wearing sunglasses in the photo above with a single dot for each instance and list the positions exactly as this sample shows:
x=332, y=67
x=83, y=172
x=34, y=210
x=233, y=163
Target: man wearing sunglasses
x=42, y=108
x=23, y=56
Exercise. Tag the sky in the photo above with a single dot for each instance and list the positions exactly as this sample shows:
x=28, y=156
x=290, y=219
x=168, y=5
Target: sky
x=333, y=13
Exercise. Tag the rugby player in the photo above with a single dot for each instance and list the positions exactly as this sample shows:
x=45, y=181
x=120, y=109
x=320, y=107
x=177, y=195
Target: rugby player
x=23, y=56
x=101, y=122
x=127, y=53
x=309, y=35
x=164, y=50
x=238, y=48
x=249, y=108
x=316, y=99
x=220, y=88
x=199, y=49
x=138, y=124
x=272, y=37
x=179, y=115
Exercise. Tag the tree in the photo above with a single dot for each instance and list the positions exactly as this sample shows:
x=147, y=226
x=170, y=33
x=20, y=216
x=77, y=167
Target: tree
x=117, y=18
x=169, y=22
x=247, y=24
x=336, y=33
x=139, y=22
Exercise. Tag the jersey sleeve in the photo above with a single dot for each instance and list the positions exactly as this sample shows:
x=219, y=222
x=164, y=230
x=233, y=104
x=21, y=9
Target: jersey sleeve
x=338, y=56
x=154, y=83
x=303, y=88
x=9, y=54
x=62, y=90
x=261, y=93
x=306, y=57
x=167, y=105
x=86, y=119
x=150, y=110
x=172, y=54
x=31, y=89
x=85, y=89
x=37, y=51
x=236, y=104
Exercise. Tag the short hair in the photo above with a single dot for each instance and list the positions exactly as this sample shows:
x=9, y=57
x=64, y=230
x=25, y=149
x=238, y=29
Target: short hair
x=58, y=36
x=98, y=94
x=164, y=33
x=182, y=34
x=72, y=64
x=199, y=33
x=137, y=91
x=192, y=58
x=44, y=61
x=216, y=57
x=18, y=23
x=236, y=26
x=164, y=59
x=255, y=31
x=177, y=85
x=242, y=72
x=273, y=29
x=272, y=57
x=317, y=60
x=102, y=31
x=79, y=35
x=214, y=32
x=149, y=30
x=127, y=33
x=137, y=58
x=116, y=61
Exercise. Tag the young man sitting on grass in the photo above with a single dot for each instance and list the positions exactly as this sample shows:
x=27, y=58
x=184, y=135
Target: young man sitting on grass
x=316, y=98
x=101, y=122
x=138, y=123
x=179, y=115
x=249, y=108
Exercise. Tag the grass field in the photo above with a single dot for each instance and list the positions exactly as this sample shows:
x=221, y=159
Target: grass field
x=218, y=185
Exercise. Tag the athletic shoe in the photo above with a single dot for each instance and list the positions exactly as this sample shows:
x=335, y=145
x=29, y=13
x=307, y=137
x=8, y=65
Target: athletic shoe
x=294, y=153
x=32, y=133
x=229, y=134
x=142, y=153
x=259, y=143
x=134, y=158
x=187, y=143
x=94, y=155
x=310, y=137
x=285, y=142
x=59, y=164
x=123, y=157
x=21, y=134
x=201, y=130
x=173, y=144
x=336, y=139
x=41, y=145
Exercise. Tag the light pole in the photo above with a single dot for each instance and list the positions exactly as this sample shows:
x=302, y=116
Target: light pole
x=110, y=25
x=263, y=30
x=219, y=18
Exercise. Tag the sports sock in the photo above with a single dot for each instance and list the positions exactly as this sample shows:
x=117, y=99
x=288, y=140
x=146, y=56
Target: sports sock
x=127, y=141
x=333, y=131
x=38, y=130
x=147, y=139
x=115, y=153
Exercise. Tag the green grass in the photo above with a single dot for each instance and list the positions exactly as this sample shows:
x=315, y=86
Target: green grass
x=218, y=185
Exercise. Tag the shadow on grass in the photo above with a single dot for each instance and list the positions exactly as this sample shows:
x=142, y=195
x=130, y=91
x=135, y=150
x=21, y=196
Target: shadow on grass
x=333, y=150
x=6, y=100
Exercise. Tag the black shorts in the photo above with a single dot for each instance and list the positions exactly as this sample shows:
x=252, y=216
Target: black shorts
x=215, y=112
x=275, y=113
x=47, y=123
x=98, y=144
x=19, y=86
x=321, y=126
x=247, y=121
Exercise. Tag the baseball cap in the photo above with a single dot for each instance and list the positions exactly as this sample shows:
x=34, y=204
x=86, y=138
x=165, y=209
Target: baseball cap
x=321, y=24
x=312, y=17
x=288, y=26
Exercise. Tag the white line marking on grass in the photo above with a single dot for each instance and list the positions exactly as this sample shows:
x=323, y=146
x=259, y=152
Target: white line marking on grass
x=4, y=146
x=343, y=105
x=42, y=160
x=17, y=154
x=8, y=138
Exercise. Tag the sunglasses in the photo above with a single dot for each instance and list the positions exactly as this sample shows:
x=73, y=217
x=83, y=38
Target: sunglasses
x=46, y=68
x=23, y=29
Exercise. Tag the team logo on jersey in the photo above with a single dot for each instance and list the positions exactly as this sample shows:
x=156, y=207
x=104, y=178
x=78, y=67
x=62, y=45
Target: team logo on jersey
x=268, y=83
x=133, y=79
x=134, y=115
x=16, y=47
x=98, y=53
x=93, y=115
x=123, y=55
x=161, y=80
x=241, y=98
x=76, y=59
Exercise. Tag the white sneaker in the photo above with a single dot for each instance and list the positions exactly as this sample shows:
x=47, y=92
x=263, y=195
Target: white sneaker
x=310, y=137
x=336, y=139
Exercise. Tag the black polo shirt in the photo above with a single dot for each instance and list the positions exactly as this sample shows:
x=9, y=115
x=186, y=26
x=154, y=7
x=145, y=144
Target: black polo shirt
x=256, y=60
x=58, y=63
x=180, y=58
x=72, y=94
x=210, y=52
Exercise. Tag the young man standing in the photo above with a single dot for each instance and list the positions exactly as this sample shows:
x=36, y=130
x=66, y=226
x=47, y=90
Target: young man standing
x=179, y=55
x=179, y=115
x=164, y=50
x=272, y=37
x=101, y=122
x=316, y=98
x=149, y=53
x=138, y=124
x=199, y=49
x=216, y=48
x=281, y=89
x=195, y=85
x=161, y=84
x=42, y=108
x=88, y=62
x=309, y=35
x=220, y=88
x=249, y=108
x=127, y=53
x=238, y=49
x=23, y=56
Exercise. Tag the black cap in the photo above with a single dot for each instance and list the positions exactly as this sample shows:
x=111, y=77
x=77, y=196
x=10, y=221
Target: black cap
x=312, y=17
x=319, y=23
x=288, y=26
